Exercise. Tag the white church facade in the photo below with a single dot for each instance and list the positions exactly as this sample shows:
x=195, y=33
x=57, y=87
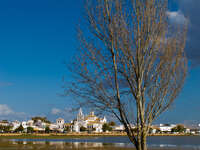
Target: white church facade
x=91, y=122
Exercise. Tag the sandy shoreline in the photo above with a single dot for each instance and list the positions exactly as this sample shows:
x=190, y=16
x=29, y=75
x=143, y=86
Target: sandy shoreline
x=71, y=135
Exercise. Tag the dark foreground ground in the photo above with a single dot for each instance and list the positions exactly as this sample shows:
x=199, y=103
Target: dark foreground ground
x=33, y=142
x=23, y=145
x=35, y=147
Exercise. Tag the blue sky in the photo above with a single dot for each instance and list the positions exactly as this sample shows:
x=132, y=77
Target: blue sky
x=37, y=36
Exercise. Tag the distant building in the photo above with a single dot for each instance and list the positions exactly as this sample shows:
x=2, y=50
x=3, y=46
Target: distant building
x=119, y=128
x=15, y=124
x=24, y=124
x=30, y=123
x=187, y=130
x=53, y=127
x=91, y=122
x=60, y=124
x=4, y=123
x=166, y=127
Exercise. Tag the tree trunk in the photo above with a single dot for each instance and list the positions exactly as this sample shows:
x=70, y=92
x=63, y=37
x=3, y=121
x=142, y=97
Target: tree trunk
x=142, y=142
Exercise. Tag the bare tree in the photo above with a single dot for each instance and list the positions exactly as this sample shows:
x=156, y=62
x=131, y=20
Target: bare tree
x=131, y=62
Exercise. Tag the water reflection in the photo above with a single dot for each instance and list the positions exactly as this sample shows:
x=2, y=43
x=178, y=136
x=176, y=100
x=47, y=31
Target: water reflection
x=16, y=144
x=62, y=144
x=102, y=143
x=86, y=145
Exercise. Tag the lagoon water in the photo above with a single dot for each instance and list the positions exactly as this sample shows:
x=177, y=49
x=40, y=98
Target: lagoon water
x=155, y=142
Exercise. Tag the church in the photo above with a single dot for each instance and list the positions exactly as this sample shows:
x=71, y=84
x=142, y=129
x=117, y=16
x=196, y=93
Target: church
x=91, y=122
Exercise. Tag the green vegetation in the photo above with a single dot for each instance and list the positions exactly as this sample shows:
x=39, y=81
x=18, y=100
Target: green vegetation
x=112, y=123
x=5, y=129
x=30, y=130
x=47, y=130
x=179, y=128
x=5, y=121
x=19, y=129
x=70, y=136
x=43, y=119
x=53, y=136
x=67, y=129
x=82, y=129
x=106, y=127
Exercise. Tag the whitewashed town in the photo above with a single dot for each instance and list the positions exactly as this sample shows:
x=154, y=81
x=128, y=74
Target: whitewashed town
x=86, y=123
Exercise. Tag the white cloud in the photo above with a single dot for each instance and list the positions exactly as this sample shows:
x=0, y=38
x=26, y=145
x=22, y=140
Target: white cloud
x=177, y=17
x=55, y=111
x=65, y=113
x=7, y=113
x=5, y=110
x=5, y=84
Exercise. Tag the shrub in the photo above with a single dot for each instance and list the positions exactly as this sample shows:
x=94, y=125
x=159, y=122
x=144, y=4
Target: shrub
x=106, y=127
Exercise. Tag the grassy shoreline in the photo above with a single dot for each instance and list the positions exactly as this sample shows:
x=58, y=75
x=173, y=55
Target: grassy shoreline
x=72, y=135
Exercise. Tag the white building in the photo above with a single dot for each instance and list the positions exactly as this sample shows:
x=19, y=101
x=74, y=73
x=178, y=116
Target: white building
x=187, y=130
x=58, y=126
x=15, y=124
x=166, y=127
x=60, y=123
x=91, y=122
x=30, y=123
x=36, y=125
x=24, y=124
x=4, y=123
x=119, y=128
x=53, y=127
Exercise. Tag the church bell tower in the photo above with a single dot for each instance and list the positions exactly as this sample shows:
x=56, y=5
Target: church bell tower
x=80, y=116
